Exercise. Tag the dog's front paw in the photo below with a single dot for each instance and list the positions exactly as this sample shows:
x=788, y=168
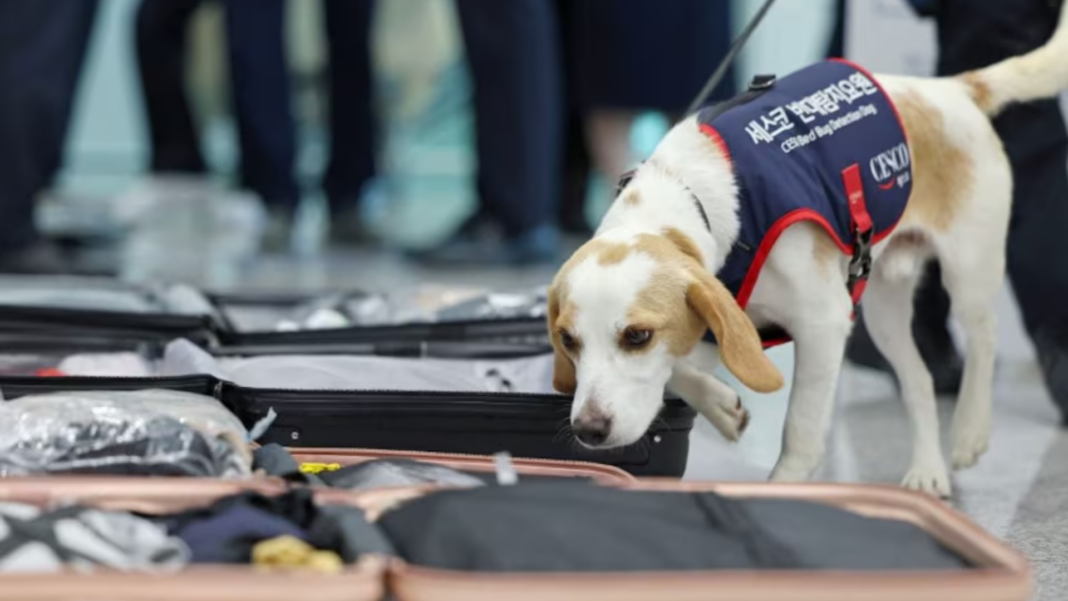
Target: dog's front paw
x=933, y=480
x=731, y=420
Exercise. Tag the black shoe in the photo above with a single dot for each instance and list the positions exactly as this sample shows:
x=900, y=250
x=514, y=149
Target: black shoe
x=540, y=246
x=1053, y=359
x=348, y=228
x=40, y=258
x=937, y=349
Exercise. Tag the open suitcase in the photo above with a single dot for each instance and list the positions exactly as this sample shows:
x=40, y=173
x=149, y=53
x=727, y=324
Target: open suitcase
x=985, y=569
x=525, y=425
x=90, y=308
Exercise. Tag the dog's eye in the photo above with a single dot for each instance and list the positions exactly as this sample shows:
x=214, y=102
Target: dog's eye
x=636, y=338
x=567, y=340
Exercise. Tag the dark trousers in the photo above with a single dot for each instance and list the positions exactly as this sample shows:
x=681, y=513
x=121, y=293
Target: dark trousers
x=161, y=33
x=512, y=51
x=42, y=47
x=974, y=34
x=259, y=91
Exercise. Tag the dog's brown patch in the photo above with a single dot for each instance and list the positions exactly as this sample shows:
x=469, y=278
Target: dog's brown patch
x=979, y=90
x=684, y=243
x=560, y=315
x=632, y=198
x=825, y=252
x=739, y=343
x=942, y=173
x=612, y=253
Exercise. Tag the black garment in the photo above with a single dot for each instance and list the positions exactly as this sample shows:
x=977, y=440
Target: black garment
x=161, y=32
x=264, y=109
x=42, y=48
x=641, y=55
x=259, y=93
x=581, y=528
x=836, y=47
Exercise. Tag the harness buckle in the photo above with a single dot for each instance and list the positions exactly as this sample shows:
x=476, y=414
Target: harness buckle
x=860, y=264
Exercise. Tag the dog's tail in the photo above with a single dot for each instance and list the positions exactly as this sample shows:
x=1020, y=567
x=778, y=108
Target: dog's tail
x=1040, y=74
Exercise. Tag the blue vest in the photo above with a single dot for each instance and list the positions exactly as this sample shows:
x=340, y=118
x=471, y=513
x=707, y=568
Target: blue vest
x=824, y=144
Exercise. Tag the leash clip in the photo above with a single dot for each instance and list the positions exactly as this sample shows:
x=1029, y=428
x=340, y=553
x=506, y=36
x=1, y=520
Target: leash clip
x=860, y=264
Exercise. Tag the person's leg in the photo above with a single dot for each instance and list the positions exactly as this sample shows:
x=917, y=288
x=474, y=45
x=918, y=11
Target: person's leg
x=261, y=98
x=512, y=48
x=836, y=46
x=161, y=32
x=576, y=160
x=608, y=132
x=42, y=47
x=1038, y=250
x=353, y=130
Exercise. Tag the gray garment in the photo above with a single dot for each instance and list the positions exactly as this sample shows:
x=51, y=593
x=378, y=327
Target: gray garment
x=32, y=541
x=332, y=372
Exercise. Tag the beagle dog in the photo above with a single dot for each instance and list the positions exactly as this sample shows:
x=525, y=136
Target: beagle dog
x=766, y=219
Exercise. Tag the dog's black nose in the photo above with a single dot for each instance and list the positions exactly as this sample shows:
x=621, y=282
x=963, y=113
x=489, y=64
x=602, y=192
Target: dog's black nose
x=593, y=430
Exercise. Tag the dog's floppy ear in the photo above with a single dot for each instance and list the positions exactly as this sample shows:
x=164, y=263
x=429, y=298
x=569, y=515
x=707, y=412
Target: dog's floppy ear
x=564, y=379
x=739, y=342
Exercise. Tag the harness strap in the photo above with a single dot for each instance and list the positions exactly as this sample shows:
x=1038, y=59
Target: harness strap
x=860, y=263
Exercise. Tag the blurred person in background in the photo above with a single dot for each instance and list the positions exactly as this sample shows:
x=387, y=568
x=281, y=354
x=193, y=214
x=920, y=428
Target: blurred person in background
x=624, y=58
x=973, y=34
x=513, y=57
x=259, y=94
x=634, y=56
x=42, y=48
x=511, y=50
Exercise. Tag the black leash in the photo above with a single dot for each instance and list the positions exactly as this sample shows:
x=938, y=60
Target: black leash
x=721, y=70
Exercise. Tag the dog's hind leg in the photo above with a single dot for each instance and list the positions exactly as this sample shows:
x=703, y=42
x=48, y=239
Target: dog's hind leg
x=888, y=314
x=972, y=283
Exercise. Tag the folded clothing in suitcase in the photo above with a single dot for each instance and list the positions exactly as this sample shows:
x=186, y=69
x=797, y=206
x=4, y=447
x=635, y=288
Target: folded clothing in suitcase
x=481, y=423
x=141, y=538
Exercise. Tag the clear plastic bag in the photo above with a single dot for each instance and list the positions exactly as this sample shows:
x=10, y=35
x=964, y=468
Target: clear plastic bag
x=148, y=432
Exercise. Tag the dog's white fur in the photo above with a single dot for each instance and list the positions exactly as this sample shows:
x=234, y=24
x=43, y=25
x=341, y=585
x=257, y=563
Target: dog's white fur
x=594, y=297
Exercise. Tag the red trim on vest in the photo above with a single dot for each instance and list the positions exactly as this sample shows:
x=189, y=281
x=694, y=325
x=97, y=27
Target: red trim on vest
x=717, y=140
x=776, y=230
x=777, y=342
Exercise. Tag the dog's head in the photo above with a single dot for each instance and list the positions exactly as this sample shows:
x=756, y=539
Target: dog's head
x=621, y=312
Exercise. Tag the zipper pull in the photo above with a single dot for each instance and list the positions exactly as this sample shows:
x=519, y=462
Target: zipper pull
x=506, y=474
